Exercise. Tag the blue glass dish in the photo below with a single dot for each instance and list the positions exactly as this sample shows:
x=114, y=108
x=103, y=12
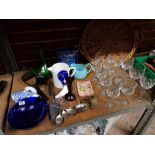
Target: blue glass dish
x=27, y=113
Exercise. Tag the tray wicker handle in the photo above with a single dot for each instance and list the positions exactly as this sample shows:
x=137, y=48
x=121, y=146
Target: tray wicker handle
x=81, y=51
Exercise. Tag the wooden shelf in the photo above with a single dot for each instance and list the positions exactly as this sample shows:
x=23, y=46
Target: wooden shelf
x=102, y=110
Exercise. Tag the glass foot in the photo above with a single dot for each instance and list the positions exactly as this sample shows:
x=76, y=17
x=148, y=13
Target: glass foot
x=95, y=78
x=98, y=85
x=104, y=92
x=139, y=100
x=111, y=104
x=124, y=101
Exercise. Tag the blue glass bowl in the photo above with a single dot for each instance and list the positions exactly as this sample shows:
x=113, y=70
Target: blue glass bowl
x=27, y=113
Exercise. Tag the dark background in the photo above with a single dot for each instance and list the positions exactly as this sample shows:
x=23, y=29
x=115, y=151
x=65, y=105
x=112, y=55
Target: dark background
x=25, y=35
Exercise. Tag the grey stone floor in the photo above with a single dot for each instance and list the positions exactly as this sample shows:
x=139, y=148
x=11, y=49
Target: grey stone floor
x=127, y=122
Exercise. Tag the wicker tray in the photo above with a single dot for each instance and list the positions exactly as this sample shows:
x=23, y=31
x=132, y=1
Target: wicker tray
x=107, y=37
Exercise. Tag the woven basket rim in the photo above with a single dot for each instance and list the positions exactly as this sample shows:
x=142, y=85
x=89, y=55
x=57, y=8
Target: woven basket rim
x=82, y=44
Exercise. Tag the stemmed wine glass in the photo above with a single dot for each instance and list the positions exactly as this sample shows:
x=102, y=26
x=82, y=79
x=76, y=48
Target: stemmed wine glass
x=120, y=77
x=113, y=92
x=96, y=67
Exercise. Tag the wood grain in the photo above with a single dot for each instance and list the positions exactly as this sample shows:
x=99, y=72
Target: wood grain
x=41, y=25
x=41, y=36
x=102, y=110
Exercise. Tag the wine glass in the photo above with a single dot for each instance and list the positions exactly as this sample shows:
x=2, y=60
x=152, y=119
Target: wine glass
x=106, y=63
x=123, y=101
x=105, y=82
x=140, y=94
x=96, y=66
x=98, y=73
x=113, y=92
x=120, y=77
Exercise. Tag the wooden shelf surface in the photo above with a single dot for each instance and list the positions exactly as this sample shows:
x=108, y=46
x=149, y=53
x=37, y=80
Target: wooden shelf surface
x=102, y=110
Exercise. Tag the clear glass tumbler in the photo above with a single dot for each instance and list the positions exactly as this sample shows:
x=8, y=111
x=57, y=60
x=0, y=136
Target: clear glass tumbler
x=147, y=80
x=113, y=70
x=129, y=87
x=136, y=70
x=106, y=81
x=127, y=64
x=120, y=77
x=113, y=91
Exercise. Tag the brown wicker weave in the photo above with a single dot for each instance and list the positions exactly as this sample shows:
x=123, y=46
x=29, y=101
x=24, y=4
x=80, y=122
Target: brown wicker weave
x=107, y=37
